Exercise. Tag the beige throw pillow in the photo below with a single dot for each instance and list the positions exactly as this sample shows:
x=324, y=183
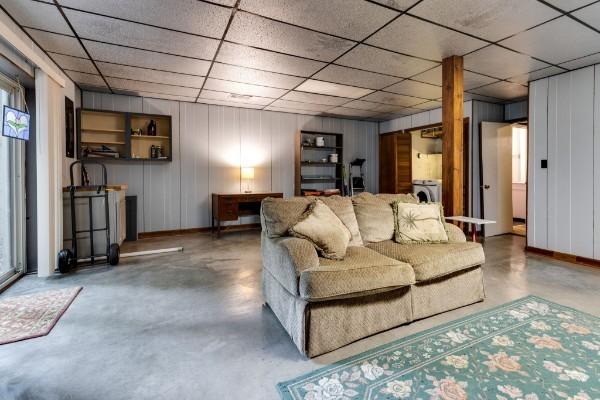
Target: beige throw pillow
x=419, y=223
x=324, y=229
x=342, y=207
x=375, y=217
x=281, y=214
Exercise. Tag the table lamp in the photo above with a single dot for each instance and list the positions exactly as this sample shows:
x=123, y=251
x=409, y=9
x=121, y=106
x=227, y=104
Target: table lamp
x=248, y=175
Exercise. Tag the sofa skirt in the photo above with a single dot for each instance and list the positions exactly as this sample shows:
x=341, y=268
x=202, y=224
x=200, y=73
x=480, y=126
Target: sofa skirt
x=447, y=293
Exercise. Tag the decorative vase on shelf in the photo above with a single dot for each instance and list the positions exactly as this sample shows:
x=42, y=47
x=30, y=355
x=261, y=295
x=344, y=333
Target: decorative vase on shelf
x=152, y=128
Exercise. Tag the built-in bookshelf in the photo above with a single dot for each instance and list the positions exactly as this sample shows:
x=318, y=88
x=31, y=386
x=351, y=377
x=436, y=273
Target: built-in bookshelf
x=111, y=135
x=315, y=171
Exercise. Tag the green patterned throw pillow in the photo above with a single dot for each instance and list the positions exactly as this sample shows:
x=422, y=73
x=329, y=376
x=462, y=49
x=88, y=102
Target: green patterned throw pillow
x=419, y=223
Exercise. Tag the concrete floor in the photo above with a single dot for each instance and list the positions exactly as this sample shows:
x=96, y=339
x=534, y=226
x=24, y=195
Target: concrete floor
x=192, y=325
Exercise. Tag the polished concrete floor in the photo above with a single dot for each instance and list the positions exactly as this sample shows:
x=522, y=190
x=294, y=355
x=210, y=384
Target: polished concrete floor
x=192, y=325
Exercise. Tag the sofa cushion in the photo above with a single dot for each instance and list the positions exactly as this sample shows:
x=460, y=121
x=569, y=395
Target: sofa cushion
x=375, y=217
x=393, y=197
x=430, y=261
x=419, y=223
x=342, y=207
x=324, y=230
x=362, y=271
x=280, y=215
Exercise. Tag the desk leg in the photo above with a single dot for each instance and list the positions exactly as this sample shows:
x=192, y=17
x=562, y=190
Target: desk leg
x=218, y=228
x=474, y=232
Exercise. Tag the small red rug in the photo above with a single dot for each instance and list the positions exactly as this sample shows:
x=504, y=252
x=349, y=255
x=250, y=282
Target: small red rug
x=33, y=315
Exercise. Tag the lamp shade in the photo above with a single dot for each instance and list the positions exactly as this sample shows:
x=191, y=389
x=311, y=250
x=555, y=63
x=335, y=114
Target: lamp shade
x=247, y=173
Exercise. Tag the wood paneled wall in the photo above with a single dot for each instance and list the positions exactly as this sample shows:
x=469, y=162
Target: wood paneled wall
x=564, y=129
x=209, y=144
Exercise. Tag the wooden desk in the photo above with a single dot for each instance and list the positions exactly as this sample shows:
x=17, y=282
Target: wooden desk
x=230, y=207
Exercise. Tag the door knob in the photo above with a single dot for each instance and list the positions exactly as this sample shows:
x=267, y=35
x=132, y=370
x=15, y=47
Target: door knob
x=486, y=186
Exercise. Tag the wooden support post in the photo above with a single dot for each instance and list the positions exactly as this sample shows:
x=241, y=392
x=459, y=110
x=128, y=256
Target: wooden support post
x=452, y=124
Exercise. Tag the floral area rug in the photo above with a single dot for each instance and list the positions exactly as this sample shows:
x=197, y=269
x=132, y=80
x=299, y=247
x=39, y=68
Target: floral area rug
x=528, y=349
x=33, y=315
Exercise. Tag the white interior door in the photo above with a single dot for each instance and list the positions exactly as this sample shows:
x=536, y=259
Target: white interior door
x=496, y=162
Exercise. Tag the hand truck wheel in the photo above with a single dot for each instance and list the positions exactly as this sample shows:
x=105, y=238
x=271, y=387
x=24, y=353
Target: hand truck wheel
x=113, y=254
x=66, y=261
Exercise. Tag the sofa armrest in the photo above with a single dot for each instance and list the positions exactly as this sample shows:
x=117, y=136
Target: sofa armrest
x=455, y=234
x=286, y=257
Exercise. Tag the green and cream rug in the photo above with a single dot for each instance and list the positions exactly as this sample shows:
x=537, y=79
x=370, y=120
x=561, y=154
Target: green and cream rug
x=528, y=349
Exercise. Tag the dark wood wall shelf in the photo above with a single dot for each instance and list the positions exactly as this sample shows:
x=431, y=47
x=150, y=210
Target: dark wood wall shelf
x=309, y=155
x=113, y=131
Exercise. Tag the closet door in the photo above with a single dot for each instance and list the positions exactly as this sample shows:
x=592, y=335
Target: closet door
x=404, y=163
x=395, y=163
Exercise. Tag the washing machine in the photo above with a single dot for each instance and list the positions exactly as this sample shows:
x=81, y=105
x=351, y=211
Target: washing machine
x=428, y=190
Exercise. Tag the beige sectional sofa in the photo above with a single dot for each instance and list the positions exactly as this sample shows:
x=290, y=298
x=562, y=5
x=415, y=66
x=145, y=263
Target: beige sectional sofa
x=324, y=304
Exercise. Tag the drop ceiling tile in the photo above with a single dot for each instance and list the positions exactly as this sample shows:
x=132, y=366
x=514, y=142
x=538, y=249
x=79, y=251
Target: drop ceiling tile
x=150, y=75
x=291, y=111
x=412, y=36
x=472, y=80
x=254, y=76
x=315, y=98
x=569, y=5
x=234, y=97
x=155, y=95
x=333, y=89
x=350, y=112
x=590, y=15
x=192, y=16
x=57, y=43
x=135, y=86
x=383, y=61
x=86, y=79
x=392, y=98
x=146, y=59
x=260, y=32
x=570, y=40
x=387, y=108
x=401, y=5
x=295, y=105
x=416, y=89
x=433, y=76
x=244, y=56
x=501, y=63
x=502, y=90
x=105, y=29
x=243, y=88
x=355, y=77
x=582, y=62
x=235, y=104
x=33, y=14
x=361, y=105
x=489, y=19
x=74, y=63
x=429, y=105
x=532, y=76
x=352, y=19
x=228, y=3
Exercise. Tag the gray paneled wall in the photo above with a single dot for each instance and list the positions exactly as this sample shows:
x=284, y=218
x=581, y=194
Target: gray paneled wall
x=564, y=128
x=516, y=110
x=210, y=143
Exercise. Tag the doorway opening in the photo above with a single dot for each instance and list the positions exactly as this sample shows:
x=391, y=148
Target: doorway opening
x=504, y=177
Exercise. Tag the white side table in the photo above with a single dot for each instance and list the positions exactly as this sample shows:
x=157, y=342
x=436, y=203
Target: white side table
x=473, y=222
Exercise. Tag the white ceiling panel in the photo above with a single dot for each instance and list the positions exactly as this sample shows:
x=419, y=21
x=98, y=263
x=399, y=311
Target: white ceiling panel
x=429, y=105
x=296, y=105
x=290, y=111
x=350, y=112
x=146, y=59
x=470, y=79
x=489, y=19
x=105, y=29
x=401, y=5
x=33, y=14
x=352, y=19
x=383, y=61
x=333, y=89
x=260, y=32
x=361, y=105
x=243, y=88
x=409, y=35
x=416, y=89
x=134, y=86
x=541, y=73
x=57, y=43
x=254, y=76
x=380, y=108
x=502, y=90
x=590, y=15
x=569, y=5
x=315, y=98
x=225, y=103
x=86, y=79
x=572, y=38
x=393, y=99
x=231, y=53
x=234, y=98
x=582, y=62
x=228, y=3
x=150, y=75
x=155, y=95
x=74, y=63
x=191, y=16
x=355, y=77
x=501, y=63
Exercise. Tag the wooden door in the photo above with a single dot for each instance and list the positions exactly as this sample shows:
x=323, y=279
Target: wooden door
x=395, y=163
